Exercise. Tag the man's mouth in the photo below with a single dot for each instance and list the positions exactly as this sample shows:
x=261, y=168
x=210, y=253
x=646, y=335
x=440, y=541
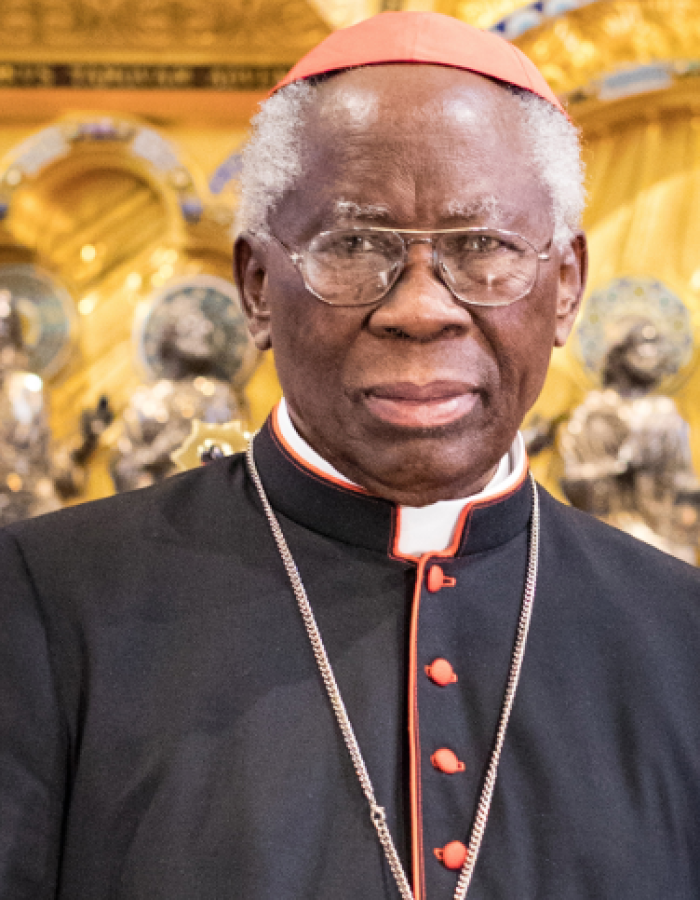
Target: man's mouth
x=421, y=406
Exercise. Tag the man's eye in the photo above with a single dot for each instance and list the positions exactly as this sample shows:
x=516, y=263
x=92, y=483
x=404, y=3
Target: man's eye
x=481, y=243
x=353, y=245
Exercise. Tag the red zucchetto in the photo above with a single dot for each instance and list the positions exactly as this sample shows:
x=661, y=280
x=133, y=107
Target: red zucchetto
x=422, y=37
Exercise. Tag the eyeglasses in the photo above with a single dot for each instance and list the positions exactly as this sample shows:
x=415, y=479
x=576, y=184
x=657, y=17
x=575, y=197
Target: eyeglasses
x=359, y=266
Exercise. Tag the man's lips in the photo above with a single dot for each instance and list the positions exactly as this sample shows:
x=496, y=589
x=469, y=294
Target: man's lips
x=421, y=406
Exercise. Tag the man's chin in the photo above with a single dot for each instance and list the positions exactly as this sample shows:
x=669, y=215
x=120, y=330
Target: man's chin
x=417, y=466
x=420, y=482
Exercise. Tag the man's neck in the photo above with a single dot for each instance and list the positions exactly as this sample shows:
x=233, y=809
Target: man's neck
x=423, y=529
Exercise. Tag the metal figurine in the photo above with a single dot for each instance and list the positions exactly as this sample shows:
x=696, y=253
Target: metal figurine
x=626, y=451
x=70, y=462
x=159, y=416
x=35, y=477
x=26, y=483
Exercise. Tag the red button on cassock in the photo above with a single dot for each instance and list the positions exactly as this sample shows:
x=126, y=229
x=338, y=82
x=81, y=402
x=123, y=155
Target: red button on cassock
x=437, y=579
x=441, y=672
x=452, y=855
x=446, y=761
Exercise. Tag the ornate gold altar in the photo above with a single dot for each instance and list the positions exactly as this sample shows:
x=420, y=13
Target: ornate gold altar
x=120, y=125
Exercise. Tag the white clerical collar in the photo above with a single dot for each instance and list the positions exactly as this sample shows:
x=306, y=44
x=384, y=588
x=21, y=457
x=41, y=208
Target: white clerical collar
x=424, y=529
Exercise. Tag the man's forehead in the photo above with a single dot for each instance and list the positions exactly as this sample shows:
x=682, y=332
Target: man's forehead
x=367, y=158
x=430, y=115
x=359, y=97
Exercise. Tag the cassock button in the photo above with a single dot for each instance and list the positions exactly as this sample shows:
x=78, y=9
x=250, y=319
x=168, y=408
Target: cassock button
x=445, y=760
x=441, y=672
x=452, y=855
x=438, y=580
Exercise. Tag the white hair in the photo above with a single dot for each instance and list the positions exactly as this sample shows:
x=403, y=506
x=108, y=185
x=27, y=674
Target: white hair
x=555, y=147
x=272, y=157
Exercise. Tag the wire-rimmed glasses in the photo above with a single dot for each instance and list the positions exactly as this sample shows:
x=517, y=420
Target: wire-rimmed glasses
x=359, y=266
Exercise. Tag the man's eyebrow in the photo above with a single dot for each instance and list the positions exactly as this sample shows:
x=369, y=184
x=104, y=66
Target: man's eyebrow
x=348, y=209
x=487, y=206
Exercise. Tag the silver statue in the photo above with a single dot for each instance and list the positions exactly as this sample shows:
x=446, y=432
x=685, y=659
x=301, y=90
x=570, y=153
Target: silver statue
x=26, y=482
x=35, y=477
x=626, y=450
x=159, y=416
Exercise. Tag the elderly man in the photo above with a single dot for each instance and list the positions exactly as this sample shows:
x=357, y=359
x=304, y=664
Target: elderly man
x=371, y=659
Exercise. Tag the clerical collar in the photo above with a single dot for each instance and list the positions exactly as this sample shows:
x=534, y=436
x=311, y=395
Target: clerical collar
x=425, y=529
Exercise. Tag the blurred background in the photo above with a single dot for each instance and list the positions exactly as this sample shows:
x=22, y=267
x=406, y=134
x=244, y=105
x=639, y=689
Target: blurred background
x=121, y=124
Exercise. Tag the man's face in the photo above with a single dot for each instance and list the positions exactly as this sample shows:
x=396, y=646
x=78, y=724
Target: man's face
x=417, y=397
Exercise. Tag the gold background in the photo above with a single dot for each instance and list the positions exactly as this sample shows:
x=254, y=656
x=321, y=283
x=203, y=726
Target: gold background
x=643, y=154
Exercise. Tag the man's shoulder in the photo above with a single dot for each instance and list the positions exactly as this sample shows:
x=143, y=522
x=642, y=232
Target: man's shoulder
x=175, y=506
x=588, y=548
x=620, y=610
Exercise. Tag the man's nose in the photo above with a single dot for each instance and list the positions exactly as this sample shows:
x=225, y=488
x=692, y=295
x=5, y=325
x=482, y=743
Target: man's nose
x=420, y=305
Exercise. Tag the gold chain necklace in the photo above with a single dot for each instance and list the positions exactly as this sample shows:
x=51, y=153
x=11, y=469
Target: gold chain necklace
x=377, y=813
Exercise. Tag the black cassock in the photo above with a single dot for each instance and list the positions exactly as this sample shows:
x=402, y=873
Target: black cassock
x=164, y=733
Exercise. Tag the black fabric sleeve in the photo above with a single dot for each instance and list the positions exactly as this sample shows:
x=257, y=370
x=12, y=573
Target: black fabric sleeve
x=33, y=740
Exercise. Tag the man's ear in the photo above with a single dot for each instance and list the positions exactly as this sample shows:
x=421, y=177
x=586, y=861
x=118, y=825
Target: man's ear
x=573, y=271
x=249, y=269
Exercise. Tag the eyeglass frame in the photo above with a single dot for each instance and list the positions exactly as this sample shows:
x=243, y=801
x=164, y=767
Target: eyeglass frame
x=297, y=259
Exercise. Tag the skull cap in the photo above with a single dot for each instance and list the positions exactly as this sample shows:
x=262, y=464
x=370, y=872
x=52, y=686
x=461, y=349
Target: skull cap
x=422, y=37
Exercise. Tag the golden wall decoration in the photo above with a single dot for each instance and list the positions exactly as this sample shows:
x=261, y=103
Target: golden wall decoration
x=342, y=13
x=481, y=13
x=159, y=30
x=115, y=211
x=605, y=36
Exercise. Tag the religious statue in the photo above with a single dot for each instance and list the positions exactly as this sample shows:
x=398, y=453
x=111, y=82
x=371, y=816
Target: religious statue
x=187, y=341
x=626, y=450
x=70, y=461
x=34, y=477
x=26, y=485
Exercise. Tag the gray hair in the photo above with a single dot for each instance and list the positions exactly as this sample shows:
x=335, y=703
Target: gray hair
x=272, y=157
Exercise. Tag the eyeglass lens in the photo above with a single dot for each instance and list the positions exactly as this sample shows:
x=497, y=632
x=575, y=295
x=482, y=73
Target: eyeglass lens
x=354, y=267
